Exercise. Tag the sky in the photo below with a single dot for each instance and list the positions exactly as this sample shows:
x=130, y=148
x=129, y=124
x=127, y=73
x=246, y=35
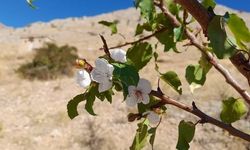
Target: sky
x=16, y=13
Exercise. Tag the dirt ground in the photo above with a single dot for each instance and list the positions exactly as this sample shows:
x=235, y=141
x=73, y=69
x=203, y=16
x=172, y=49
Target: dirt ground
x=34, y=116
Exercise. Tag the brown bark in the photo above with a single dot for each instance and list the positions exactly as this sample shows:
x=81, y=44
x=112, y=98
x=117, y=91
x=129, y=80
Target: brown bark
x=197, y=112
x=194, y=41
x=204, y=18
x=197, y=11
x=242, y=64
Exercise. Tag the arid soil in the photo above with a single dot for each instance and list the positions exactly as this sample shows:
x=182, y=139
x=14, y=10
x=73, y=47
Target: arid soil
x=34, y=116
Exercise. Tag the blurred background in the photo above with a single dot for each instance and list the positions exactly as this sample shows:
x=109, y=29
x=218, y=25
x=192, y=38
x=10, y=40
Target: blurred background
x=38, y=79
x=17, y=14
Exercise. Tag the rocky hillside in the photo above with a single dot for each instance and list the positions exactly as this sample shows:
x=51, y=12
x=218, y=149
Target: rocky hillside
x=33, y=113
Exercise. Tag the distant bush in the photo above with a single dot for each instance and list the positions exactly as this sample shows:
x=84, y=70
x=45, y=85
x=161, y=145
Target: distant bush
x=50, y=62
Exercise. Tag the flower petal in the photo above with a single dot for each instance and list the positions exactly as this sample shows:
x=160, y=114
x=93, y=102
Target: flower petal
x=84, y=83
x=97, y=76
x=145, y=98
x=101, y=65
x=131, y=101
x=104, y=86
x=118, y=55
x=83, y=78
x=144, y=86
x=153, y=118
x=110, y=69
x=131, y=90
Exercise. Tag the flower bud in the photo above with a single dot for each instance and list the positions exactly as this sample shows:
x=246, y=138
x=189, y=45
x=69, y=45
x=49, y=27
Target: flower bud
x=83, y=64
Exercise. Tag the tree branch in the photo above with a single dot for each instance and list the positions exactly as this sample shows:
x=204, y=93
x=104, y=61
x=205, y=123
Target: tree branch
x=204, y=17
x=229, y=79
x=197, y=112
x=244, y=68
x=242, y=64
x=197, y=11
x=139, y=40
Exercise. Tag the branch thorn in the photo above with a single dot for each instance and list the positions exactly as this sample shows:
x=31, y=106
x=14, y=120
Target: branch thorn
x=105, y=46
x=194, y=105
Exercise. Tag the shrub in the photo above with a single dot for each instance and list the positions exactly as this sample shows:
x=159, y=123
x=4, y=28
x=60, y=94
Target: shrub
x=50, y=62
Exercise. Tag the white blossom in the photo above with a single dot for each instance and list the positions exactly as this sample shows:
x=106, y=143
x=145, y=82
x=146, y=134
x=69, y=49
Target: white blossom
x=118, y=55
x=83, y=78
x=139, y=94
x=102, y=74
x=153, y=117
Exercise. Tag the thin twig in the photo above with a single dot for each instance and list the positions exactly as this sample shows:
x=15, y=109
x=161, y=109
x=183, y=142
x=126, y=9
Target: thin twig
x=140, y=40
x=171, y=18
x=105, y=46
x=204, y=117
x=229, y=79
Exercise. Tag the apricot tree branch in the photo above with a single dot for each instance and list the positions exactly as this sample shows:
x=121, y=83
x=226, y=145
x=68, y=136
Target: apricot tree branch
x=197, y=112
x=139, y=40
x=197, y=11
x=242, y=64
x=229, y=79
x=204, y=17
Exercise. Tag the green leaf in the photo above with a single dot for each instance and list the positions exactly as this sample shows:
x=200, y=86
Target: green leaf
x=232, y=110
x=147, y=8
x=156, y=55
x=72, y=105
x=90, y=98
x=196, y=76
x=205, y=64
x=222, y=46
x=118, y=86
x=141, y=108
x=111, y=25
x=167, y=39
x=186, y=135
x=163, y=21
x=172, y=79
x=89, y=104
x=239, y=29
x=106, y=95
x=127, y=74
x=139, y=55
x=30, y=2
x=179, y=34
x=141, y=136
x=152, y=133
x=172, y=6
x=208, y=3
x=140, y=28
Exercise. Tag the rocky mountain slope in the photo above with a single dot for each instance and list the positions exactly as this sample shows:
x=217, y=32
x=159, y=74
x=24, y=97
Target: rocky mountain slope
x=33, y=113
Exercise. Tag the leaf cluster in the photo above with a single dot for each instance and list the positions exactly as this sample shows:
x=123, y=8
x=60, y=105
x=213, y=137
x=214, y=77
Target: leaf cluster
x=220, y=44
